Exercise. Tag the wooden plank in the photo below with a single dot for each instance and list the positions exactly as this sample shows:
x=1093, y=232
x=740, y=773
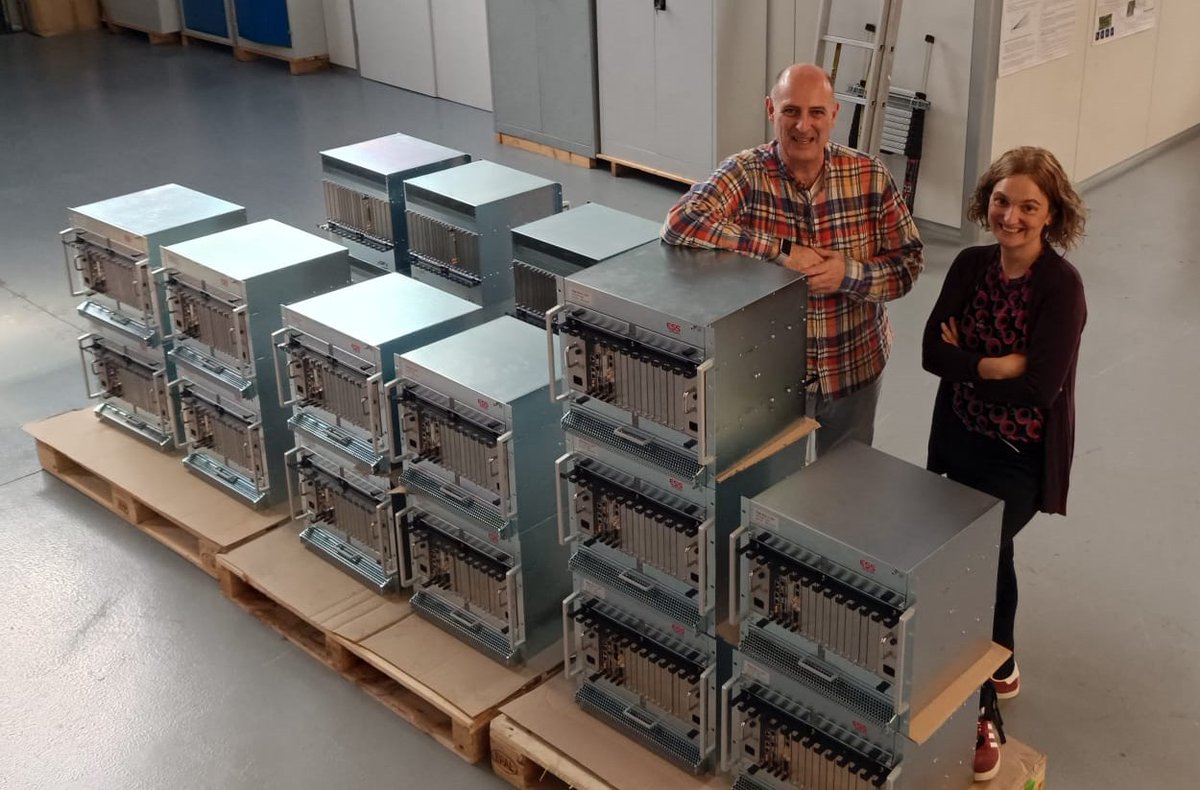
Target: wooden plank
x=569, y=157
x=527, y=762
x=156, y=38
x=296, y=66
x=623, y=167
x=149, y=489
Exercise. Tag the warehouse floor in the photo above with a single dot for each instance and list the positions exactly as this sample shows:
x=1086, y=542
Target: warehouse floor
x=123, y=667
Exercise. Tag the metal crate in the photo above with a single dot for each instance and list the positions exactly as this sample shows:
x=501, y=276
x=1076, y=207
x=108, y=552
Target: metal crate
x=363, y=185
x=224, y=293
x=546, y=250
x=460, y=222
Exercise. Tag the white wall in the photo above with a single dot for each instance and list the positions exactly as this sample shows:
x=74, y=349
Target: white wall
x=339, y=33
x=939, y=188
x=1103, y=104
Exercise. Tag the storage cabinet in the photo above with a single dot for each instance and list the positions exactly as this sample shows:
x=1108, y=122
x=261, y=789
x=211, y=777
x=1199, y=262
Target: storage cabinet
x=207, y=19
x=149, y=16
x=289, y=29
x=543, y=62
x=681, y=82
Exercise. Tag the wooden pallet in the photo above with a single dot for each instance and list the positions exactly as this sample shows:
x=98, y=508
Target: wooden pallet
x=155, y=38
x=149, y=489
x=297, y=66
x=541, y=149
x=464, y=688
x=624, y=167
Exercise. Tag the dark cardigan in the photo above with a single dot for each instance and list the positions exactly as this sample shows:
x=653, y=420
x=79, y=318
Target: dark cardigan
x=1057, y=313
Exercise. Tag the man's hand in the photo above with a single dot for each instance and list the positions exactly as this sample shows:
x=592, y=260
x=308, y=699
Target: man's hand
x=825, y=268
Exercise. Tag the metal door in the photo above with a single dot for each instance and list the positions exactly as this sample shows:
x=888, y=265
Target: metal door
x=264, y=22
x=206, y=16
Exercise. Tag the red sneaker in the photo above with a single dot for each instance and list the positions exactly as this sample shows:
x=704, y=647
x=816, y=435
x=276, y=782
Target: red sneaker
x=987, y=751
x=1009, y=687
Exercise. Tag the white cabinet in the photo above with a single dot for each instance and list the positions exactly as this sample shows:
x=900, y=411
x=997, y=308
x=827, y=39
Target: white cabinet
x=436, y=48
x=149, y=16
x=681, y=82
x=339, y=33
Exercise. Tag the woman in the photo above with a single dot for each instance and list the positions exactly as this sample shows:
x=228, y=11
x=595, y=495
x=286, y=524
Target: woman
x=1004, y=339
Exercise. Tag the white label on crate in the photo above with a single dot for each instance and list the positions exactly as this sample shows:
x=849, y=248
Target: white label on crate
x=755, y=672
x=761, y=518
x=577, y=295
x=593, y=589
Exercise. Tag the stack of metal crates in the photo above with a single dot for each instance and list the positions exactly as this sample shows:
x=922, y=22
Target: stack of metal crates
x=112, y=249
x=223, y=296
x=363, y=185
x=546, y=250
x=677, y=364
x=478, y=438
x=339, y=351
x=864, y=587
x=460, y=225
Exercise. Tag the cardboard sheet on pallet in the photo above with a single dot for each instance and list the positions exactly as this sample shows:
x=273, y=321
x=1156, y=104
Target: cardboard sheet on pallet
x=439, y=666
x=280, y=566
x=157, y=479
x=549, y=712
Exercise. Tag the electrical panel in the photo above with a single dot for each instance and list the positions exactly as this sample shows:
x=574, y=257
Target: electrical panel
x=363, y=186
x=546, y=250
x=460, y=225
x=336, y=355
x=478, y=437
x=223, y=295
x=112, y=250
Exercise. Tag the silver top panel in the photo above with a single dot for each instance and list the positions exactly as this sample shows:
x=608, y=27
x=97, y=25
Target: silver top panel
x=393, y=154
x=697, y=286
x=480, y=183
x=877, y=504
x=503, y=359
x=156, y=209
x=382, y=309
x=593, y=231
x=255, y=249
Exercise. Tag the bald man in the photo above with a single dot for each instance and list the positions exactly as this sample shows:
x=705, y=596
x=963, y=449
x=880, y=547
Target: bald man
x=833, y=214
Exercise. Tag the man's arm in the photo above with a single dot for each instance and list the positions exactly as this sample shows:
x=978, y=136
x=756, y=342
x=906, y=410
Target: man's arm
x=900, y=259
x=709, y=215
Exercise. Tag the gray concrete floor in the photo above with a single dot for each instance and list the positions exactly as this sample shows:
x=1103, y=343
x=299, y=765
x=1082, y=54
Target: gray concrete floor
x=121, y=666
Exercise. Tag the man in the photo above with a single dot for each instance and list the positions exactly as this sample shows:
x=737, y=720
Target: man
x=833, y=214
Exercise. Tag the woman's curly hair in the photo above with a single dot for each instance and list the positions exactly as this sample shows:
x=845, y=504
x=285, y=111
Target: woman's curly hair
x=1067, y=213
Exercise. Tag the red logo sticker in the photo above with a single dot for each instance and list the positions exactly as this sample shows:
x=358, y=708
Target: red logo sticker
x=494, y=537
x=483, y=404
x=678, y=629
x=867, y=566
x=860, y=727
x=676, y=484
x=355, y=347
x=674, y=328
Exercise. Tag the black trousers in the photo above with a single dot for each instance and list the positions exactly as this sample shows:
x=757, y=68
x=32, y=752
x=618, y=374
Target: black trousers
x=1014, y=475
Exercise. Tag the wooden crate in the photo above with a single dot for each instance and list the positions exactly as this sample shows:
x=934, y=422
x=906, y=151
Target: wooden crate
x=147, y=488
x=624, y=167
x=542, y=149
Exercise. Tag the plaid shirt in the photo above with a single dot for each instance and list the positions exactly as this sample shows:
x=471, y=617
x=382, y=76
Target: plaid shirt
x=752, y=203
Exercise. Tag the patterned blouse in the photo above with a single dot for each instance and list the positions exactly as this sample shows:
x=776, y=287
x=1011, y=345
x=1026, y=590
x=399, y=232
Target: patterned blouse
x=995, y=323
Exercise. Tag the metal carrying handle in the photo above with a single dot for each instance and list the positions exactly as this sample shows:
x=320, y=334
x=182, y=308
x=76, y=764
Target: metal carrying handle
x=395, y=432
x=551, y=364
x=277, y=348
x=705, y=676
x=559, y=484
x=631, y=578
x=142, y=267
x=702, y=559
x=244, y=354
x=173, y=388
x=456, y=495
x=290, y=472
x=641, y=718
x=503, y=443
x=735, y=599
x=702, y=408
x=816, y=671
x=568, y=634
x=71, y=260
x=901, y=644
x=725, y=736
x=405, y=573
x=159, y=384
x=89, y=370
x=464, y=619
x=630, y=435
x=375, y=416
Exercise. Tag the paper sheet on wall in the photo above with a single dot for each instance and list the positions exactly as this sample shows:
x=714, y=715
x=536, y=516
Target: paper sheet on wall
x=1119, y=18
x=1033, y=32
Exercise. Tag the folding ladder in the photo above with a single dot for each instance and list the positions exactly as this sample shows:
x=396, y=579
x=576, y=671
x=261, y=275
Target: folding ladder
x=878, y=78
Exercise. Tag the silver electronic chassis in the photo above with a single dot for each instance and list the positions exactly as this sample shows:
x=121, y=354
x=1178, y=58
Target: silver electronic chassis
x=111, y=250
